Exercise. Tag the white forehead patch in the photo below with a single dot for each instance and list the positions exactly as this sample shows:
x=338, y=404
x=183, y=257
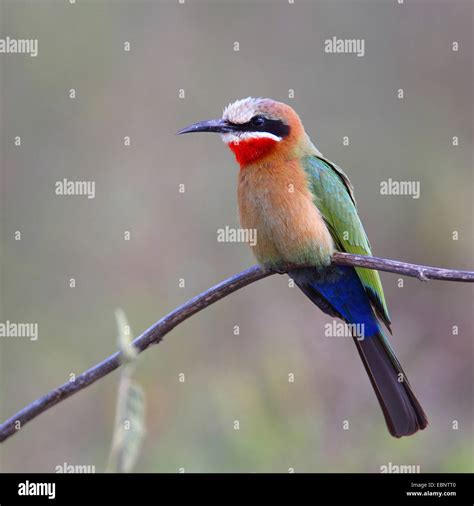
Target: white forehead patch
x=241, y=111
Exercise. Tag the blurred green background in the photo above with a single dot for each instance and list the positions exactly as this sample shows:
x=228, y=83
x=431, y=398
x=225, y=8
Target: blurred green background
x=229, y=377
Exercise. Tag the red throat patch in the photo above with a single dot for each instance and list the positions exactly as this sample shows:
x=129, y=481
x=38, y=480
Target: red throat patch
x=250, y=150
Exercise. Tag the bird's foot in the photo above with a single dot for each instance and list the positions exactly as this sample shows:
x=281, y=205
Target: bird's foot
x=279, y=269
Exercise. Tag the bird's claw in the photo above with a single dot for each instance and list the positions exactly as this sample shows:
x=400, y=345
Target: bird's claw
x=279, y=269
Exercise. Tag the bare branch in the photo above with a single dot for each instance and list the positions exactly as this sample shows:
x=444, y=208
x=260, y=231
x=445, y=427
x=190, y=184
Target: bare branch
x=422, y=272
x=157, y=331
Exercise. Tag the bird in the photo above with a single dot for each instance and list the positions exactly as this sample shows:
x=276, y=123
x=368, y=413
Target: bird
x=303, y=209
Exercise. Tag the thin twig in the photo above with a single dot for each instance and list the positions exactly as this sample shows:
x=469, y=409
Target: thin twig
x=422, y=272
x=157, y=331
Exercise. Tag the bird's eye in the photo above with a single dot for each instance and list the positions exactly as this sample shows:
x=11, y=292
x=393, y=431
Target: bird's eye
x=257, y=121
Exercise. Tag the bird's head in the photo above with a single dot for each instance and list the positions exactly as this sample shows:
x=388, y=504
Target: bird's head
x=254, y=128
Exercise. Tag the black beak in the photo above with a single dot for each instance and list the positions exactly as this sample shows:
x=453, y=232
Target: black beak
x=213, y=125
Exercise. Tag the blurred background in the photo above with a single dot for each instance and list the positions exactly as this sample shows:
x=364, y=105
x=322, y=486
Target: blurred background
x=182, y=67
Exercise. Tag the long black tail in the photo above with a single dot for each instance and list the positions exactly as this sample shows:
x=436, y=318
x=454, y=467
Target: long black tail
x=342, y=295
x=402, y=411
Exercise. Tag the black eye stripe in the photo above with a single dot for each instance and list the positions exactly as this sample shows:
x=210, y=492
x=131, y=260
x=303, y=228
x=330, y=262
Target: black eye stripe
x=272, y=126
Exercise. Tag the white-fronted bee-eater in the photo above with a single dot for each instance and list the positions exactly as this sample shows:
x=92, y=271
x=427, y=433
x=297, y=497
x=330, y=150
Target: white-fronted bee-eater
x=303, y=209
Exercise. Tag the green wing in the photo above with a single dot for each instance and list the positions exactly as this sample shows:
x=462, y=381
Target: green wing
x=333, y=196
